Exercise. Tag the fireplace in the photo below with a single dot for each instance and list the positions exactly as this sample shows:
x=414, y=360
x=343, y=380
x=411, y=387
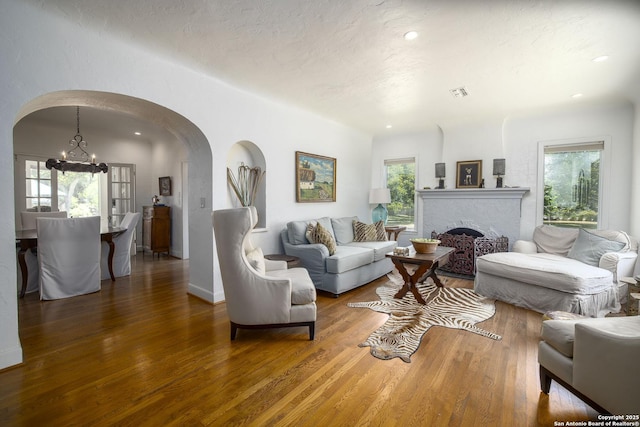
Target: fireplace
x=494, y=212
x=468, y=245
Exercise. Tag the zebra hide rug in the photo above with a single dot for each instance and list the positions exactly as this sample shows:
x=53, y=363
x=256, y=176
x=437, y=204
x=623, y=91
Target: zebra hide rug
x=456, y=308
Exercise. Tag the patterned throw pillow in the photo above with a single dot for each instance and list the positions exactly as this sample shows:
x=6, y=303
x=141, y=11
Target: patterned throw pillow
x=318, y=234
x=369, y=232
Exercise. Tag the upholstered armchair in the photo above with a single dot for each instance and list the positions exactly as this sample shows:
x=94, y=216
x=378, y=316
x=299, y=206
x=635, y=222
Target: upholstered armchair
x=259, y=293
x=594, y=358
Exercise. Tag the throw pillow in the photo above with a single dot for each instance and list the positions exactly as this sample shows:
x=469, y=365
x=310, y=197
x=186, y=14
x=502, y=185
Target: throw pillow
x=554, y=240
x=256, y=260
x=319, y=234
x=589, y=248
x=368, y=232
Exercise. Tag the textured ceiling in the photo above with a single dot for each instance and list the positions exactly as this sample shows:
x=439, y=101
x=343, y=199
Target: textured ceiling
x=347, y=59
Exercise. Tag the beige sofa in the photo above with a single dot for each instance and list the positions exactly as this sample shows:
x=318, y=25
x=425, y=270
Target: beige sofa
x=562, y=269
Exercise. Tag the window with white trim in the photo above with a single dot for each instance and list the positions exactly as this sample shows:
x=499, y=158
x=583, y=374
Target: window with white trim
x=572, y=181
x=400, y=177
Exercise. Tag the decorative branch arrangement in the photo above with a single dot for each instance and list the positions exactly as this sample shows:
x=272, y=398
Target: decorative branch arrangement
x=246, y=186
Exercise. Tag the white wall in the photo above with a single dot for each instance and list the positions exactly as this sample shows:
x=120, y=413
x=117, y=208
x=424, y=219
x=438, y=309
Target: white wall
x=44, y=54
x=611, y=121
x=426, y=147
x=516, y=138
x=166, y=160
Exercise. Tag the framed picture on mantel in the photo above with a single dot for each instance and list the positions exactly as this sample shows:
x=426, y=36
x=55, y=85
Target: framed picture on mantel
x=468, y=174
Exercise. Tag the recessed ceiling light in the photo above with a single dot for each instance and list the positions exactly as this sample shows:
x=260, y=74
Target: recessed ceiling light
x=389, y=126
x=577, y=95
x=411, y=35
x=600, y=58
x=137, y=133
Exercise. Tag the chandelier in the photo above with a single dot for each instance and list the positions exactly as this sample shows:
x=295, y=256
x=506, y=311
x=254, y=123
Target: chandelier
x=77, y=159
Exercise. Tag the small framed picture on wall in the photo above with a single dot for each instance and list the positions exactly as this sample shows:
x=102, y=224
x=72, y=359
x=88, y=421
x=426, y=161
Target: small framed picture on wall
x=165, y=185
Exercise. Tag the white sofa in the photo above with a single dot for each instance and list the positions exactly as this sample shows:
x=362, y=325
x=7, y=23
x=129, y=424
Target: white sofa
x=562, y=269
x=353, y=264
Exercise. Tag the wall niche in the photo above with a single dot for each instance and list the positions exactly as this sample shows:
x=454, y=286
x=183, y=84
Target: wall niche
x=248, y=154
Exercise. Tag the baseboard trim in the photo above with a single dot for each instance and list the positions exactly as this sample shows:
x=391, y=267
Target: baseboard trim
x=11, y=357
x=200, y=293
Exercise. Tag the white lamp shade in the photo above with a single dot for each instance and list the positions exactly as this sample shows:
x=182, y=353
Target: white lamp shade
x=379, y=195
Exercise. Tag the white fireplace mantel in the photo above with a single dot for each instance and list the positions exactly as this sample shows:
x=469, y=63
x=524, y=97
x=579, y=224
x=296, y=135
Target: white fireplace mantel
x=476, y=193
x=492, y=211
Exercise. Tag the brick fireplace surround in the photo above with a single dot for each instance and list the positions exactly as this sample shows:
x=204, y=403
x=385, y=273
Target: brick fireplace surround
x=494, y=212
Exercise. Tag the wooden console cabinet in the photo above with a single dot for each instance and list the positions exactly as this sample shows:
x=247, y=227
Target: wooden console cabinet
x=156, y=229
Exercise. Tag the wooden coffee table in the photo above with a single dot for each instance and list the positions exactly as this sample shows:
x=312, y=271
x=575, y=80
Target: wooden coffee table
x=427, y=265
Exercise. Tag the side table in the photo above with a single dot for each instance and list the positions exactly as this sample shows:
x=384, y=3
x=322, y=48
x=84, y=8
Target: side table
x=633, y=295
x=292, y=261
x=395, y=231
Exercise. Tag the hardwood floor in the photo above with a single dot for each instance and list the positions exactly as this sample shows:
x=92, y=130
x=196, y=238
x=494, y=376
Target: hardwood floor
x=144, y=352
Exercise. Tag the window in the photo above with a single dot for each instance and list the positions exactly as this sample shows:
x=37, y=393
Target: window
x=80, y=194
x=37, y=186
x=400, y=175
x=572, y=184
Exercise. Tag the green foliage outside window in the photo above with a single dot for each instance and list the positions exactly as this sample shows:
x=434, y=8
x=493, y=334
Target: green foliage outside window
x=571, y=188
x=79, y=194
x=401, y=184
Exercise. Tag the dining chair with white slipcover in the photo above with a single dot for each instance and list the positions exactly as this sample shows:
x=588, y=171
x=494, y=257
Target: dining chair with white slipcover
x=28, y=222
x=28, y=218
x=122, y=248
x=259, y=293
x=68, y=256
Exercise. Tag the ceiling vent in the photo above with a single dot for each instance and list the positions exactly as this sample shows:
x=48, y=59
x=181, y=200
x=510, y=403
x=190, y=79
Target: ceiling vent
x=460, y=92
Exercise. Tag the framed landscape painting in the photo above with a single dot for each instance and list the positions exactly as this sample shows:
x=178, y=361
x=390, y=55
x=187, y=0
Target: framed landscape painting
x=468, y=174
x=315, y=178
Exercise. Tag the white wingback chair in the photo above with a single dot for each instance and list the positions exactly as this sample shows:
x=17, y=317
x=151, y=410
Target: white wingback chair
x=258, y=293
x=122, y=248
x=28, y=218
x=68, y=256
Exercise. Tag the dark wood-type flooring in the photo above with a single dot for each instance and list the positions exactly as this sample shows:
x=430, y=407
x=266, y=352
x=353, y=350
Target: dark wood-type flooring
x=142, y=352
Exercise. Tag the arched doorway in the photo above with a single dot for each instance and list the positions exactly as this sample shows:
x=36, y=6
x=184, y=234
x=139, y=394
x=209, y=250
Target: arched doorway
x=198, y=198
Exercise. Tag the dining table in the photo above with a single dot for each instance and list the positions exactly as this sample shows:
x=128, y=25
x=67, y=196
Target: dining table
x=28, y=239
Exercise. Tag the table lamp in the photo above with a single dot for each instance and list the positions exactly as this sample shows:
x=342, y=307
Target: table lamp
x=440, y=174
x=498, y=170
x=379, y=196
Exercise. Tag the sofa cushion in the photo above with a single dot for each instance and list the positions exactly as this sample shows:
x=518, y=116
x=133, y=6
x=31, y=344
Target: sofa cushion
x=302, y=289
x=296, y=230
x=618, y=236
x=343, y=229
x=369, y=232
x=589, y=248
x=380, y=249
x=347, y=258
x=547, y=270
x=318, y=234
x=256, y=260
x=554, y=240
